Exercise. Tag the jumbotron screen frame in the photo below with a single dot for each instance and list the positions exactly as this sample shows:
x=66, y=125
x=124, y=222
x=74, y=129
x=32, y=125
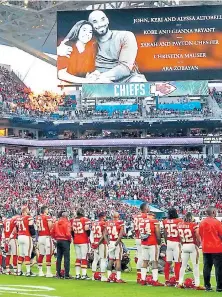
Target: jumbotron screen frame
x=174, y=43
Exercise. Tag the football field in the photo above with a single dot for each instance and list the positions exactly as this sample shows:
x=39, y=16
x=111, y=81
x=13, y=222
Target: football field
x=42, y=287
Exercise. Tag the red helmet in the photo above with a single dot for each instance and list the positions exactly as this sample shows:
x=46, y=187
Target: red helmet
x=97, y=276
x=189, y=283
x=136, y=260
x=112, y=277
x=173, y=281
x=94, y=246
x=149, y=279
x=62, y=272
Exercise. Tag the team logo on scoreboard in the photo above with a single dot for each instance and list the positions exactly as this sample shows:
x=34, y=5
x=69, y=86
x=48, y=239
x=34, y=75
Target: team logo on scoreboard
x=162, y=88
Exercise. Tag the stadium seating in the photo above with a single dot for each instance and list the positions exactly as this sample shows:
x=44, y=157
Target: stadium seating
x=18, y=100
x=22, y=175
x=140, y=163
x=183, y=180
x=29, y=162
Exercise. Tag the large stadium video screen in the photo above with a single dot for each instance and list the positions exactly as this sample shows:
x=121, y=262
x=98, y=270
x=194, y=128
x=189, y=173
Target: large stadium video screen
x=139, y=45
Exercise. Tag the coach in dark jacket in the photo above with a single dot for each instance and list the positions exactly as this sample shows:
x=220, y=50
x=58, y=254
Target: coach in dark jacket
x=61, y=232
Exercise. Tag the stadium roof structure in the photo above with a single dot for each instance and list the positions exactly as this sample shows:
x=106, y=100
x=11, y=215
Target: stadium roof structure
x=30, y=25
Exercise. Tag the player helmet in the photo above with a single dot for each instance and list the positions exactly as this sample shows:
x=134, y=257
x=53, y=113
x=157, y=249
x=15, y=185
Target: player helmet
x=136, y=260
x=149, y=279
x=97, y=276
x=189, y=283
x=113, y=277
x=172, y=281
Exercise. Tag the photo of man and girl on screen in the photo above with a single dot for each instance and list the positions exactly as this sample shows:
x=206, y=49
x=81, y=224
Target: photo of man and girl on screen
x=93, y=53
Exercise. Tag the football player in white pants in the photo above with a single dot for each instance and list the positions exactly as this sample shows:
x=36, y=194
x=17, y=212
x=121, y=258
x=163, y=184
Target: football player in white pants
x=11, y=246
x=81, y=232
x=144, y=208
x=98, y=239
x=172, y=240
x=25, y=230
x=45, y=245
x=115, y=231
x=190, y=239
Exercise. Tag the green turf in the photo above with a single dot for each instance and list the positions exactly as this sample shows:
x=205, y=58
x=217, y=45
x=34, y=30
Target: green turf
x=73, y=288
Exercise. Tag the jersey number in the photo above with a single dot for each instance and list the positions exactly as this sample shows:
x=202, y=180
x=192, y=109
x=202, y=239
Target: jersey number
x=78, y=228
x=144, y=228
x=21, y=226
x=97, y=231
x=171, y=230
x=112, y=231
x=7, y=226
x=40, y=225
x=186, y=235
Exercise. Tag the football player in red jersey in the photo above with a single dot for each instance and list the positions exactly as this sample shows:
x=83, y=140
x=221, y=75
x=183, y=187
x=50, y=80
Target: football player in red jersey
x=145, y=213
x=172, y=239
x=81, y=232
x=150, y=239
x=190, y=239
x=115, y=231
x=26, y=230
x=11, y=245
x=44, y=226
x=98, y=238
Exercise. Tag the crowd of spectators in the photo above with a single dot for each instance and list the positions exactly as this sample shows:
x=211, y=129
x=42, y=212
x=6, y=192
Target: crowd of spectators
x=140, y=163
x=10, y=89
x=97, y=134
x=186, y=191
x=104, y=161
x=47, y=107
x=47, y=102
x=18, y=100
x=36, y=106
x=34, y=189
x=29, y=162
x=151, y=151
x=167, y=113
x=173, y=151
x=87, y=113
x=26, y=179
